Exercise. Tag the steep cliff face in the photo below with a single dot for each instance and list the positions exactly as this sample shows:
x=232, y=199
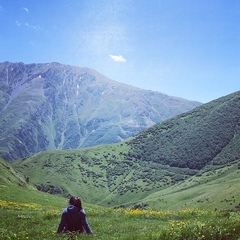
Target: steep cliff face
x=54, y=106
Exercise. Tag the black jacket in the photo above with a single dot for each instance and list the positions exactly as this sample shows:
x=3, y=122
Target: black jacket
x=74, y=220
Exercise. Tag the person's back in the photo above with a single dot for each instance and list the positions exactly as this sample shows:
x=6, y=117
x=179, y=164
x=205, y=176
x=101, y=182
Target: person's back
x=82, y=217
x=74, y=218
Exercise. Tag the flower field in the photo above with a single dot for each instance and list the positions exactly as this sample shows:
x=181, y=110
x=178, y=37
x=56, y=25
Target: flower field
x=36, y=221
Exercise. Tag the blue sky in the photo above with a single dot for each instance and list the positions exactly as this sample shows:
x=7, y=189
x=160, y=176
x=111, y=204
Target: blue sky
x=184, y=48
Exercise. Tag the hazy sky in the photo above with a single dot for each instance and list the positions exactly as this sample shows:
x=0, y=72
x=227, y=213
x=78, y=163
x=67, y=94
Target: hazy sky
x=184, y=48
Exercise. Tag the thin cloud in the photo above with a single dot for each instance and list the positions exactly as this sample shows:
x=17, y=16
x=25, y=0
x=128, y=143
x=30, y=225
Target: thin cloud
x=27, y=25
x=26, y=9
x=118, y=58
x=18, y=24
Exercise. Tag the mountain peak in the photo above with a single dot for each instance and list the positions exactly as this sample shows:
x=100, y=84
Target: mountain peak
x=53, y=106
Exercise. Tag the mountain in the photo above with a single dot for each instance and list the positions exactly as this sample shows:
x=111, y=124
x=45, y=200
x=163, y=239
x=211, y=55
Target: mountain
x=209, y=134
x=54, y=106
x=189, y=157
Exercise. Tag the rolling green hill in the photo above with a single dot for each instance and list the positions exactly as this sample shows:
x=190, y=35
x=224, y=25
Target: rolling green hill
x=207, y=135
x=9, y=176
x=209, y=189
x=173, y=164
x=30, y=214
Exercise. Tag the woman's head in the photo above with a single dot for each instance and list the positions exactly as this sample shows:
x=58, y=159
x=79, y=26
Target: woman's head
x=72, y=200
x=78, y=203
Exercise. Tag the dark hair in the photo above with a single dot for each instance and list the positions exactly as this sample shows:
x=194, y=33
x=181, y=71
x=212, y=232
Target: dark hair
x=78, y=203
x=72, y=200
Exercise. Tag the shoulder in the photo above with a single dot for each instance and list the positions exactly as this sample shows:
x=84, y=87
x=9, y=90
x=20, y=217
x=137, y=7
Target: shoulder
x=82, y=212
x=65, y=210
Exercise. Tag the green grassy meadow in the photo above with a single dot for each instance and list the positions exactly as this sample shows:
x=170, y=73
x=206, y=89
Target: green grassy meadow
x=30, y=214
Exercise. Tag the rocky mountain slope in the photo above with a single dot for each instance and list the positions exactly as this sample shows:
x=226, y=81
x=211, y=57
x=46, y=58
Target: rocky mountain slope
x=53, y=106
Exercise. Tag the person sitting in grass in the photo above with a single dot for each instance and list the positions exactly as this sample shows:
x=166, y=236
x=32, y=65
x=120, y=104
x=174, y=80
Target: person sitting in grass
x=74, y=218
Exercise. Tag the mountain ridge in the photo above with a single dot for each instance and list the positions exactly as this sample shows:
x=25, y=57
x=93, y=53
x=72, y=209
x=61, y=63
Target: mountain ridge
x=198, y=130
x=55, y=106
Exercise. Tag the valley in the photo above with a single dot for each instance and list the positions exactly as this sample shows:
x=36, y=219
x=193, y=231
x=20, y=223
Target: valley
x=154, y=166
x=175, y=184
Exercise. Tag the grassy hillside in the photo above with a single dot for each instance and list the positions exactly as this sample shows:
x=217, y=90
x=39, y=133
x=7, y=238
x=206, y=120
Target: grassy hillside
x=103, y=174
x=209, y=134
x=184, y=210
x=209, y=189
x=9, y=176
x=29, y=214
x=155, y=161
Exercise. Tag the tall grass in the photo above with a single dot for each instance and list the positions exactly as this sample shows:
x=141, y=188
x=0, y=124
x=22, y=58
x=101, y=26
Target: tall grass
x=35, y=221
